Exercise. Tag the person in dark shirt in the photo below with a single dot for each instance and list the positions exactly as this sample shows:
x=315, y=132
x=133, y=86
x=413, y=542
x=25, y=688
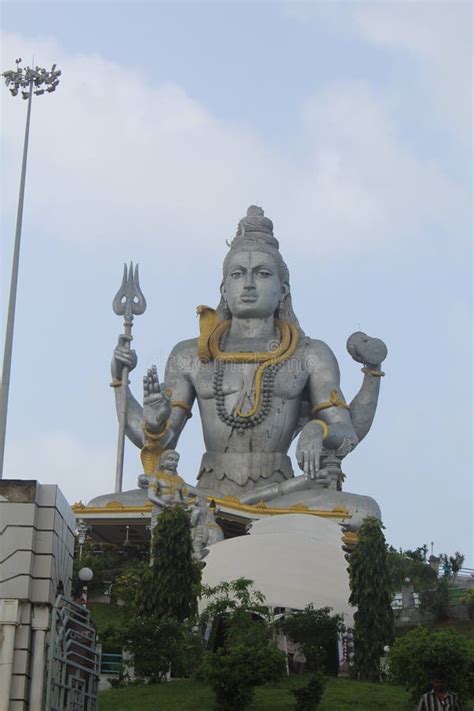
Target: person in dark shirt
x=439, y=698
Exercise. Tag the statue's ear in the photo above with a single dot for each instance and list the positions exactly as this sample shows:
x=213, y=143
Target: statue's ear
x=285, y=290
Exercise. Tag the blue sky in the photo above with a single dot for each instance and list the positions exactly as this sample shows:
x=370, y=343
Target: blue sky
x=350, y=123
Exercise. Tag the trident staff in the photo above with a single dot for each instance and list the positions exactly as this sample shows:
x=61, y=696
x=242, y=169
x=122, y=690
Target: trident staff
x=29, y=81
x=128, y=302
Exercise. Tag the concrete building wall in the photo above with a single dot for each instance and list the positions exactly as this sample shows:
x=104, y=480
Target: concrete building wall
x=36, y=555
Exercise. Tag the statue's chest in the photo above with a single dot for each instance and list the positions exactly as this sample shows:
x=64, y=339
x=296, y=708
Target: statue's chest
x=290, y=379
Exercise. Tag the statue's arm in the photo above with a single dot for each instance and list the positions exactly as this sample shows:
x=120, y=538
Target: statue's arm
x=157, y=500
x=177, y=382
x=327, y=401
x=121, y=357
x=180, y=389
x=330, y=424
x=371, y=352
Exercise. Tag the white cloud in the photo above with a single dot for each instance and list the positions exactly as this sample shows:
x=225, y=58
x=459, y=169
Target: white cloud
x=439, y=36
x=369, y=187
x=114, y=159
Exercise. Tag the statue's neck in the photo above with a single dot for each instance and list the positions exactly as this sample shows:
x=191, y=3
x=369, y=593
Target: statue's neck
x=252, y=328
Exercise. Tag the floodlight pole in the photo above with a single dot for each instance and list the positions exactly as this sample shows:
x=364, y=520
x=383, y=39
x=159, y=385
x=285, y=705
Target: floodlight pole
x=17, y=79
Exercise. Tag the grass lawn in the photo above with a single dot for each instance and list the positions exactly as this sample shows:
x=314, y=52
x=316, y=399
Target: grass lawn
x=340, y=695
x=107, y=615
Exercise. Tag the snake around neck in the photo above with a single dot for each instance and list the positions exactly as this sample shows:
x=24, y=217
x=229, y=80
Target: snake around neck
x=269, y=362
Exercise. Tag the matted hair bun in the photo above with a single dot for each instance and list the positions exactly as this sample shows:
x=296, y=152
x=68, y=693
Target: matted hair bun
x=255, y=226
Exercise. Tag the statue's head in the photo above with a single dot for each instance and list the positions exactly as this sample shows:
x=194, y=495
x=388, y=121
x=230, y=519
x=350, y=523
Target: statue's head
x=256, y=280
x=169, y=461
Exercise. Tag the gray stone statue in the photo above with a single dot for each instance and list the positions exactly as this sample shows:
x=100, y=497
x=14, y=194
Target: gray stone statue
x=205, y=530
x=260, y=381
x=165, y=486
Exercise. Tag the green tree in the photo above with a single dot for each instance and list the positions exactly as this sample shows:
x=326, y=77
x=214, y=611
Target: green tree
x=371, y=595
x=108, y=562
x=316, y=631
x=452, y=564
x=247, y=657
x=414, y=656
x=160, y=645
x=410, y=564
x=170, y=586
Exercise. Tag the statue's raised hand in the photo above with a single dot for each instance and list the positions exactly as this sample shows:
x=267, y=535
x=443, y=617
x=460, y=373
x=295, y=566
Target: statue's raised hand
x=366, y=350
x=156, y=405
x=309, y=449
x=123, y=357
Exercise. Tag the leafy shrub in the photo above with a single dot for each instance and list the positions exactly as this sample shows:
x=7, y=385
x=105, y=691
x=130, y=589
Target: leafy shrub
x=233, y=673
x=127, y=584
x=468, y=599
x=413, y=658
x=107, y=562
x=246, y=658
x=159, y=646
x=309, y=696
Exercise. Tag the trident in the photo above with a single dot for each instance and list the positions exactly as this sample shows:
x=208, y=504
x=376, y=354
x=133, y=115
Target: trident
x=128, y=302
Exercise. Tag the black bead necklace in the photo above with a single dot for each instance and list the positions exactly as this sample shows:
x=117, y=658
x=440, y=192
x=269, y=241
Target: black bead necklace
x=234, y=420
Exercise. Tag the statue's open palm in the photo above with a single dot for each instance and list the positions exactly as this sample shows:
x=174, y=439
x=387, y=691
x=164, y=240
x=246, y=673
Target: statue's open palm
x=156, y=404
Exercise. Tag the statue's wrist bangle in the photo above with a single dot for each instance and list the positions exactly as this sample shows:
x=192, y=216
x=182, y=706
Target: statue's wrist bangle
x=324, y=428
x=117, y=383
x=374, y=373
x=155, y=436
x=182, y=406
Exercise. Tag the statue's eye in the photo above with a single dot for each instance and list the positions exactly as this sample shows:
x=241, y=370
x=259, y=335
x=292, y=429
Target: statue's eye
x=236, y=273
x=264, y=273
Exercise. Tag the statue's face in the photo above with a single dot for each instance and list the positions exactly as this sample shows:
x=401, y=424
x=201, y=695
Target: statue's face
x=252, y=286
x=170, y=461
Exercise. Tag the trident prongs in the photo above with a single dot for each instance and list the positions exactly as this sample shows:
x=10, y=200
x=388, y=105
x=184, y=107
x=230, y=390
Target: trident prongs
x=129, y=300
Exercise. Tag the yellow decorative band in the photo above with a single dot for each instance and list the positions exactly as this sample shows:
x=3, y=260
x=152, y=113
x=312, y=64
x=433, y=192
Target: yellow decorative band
x=335, y=400
x=324, y=428
x=117, y=383
x=183, y=406
x=373, y=373
x=155, y=436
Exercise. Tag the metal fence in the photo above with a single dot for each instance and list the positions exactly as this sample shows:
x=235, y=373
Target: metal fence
x=111, y=664
x=73, y=660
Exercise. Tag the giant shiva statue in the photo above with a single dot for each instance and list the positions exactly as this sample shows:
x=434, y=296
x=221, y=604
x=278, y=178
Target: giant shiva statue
x=259, y=382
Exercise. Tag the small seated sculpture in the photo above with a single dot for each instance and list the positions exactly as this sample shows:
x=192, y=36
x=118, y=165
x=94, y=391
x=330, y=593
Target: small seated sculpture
x=165, y=486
